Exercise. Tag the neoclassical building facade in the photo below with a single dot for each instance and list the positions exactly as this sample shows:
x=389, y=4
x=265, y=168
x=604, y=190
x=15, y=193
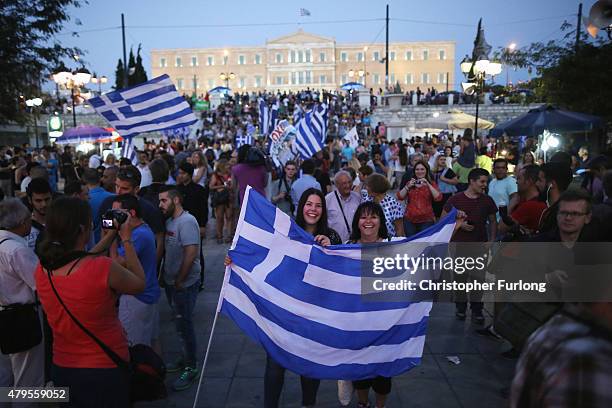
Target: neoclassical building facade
x=302, y=59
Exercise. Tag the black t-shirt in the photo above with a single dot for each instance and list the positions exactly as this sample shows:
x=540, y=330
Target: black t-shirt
x=150, y=215
x=194, y=201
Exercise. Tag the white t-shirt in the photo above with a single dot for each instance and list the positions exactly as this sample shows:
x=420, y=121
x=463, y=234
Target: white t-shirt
x=145, y=173
x=95, y=161
x=24, y=183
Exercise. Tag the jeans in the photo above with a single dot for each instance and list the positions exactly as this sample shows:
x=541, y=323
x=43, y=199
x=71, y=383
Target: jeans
x=274, y=379
x=411, y=229
x=183, y=305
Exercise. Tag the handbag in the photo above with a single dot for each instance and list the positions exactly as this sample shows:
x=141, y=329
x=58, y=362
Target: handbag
x=20, y=328
x=146, y=369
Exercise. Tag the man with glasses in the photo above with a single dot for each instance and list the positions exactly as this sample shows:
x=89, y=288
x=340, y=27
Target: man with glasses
x=128, y=182
x=342, y=204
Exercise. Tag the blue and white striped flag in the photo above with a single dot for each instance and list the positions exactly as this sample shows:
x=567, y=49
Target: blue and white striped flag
x=151, y=106
x=312, y=131
x=243, y=138
x=303, y=303
x=298, y=114
x=274, y=116
x=264, y=117
x=128, y=150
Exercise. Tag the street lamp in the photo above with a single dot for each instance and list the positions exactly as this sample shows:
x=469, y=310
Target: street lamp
x=509, y=50
x=99, y=80
x=74, y=81
x=34, y=103
x=365, y=72
x=226, y=77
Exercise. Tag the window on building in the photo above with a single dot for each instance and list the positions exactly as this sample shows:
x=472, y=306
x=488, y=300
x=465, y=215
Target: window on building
x=442, y=54
x=292, y=57
x=408, y=55
x=322, y=79
x=257, y=59
x=279, y=80
x=300, y=77
x=321, y=57
x=241, y=60
x=360, y=57
x=376, y=56
x=210, y=60
x=300, y=56
x=425, y=55
x=194, y=61
x=162, y=63
x=308, y=77
x=178, y=62
x=408, y=80
x=211, y=83
x=293, y=78
x=391, y=55
x=343, y=56
x=279, y=58
x=242, y=82
x=376, y=79
x=179, y=83
x=195, y=83
x=258, y=81
x=344, y=78
x=441, y=78
x=308, y=55
x=392, y=79
x=425, y=78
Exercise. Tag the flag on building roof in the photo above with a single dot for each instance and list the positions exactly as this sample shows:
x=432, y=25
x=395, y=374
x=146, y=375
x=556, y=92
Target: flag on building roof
x=303, y=303
x=151, y=106
x=312, y=131
x=304, y=12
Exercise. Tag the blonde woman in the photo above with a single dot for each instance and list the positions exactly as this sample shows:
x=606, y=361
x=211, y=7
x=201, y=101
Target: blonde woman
x=200, y=174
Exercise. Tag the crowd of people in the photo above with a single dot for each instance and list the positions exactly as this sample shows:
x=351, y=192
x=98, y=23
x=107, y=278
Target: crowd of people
x=119, y=233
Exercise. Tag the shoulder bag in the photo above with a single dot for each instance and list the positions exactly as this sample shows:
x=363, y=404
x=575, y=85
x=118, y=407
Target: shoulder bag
x=348, y=228
x=146, y=369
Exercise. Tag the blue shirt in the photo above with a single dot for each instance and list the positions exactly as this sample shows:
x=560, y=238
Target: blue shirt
x=302, y=184
x=96, y=197
x=348, y=152
x=144, y=244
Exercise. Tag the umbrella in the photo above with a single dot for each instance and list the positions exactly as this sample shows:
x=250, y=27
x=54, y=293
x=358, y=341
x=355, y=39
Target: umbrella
x=82, y=134
x=453, y=119
x=349, y=86
x=547, y=117
x=220, y=89
x=114, y=137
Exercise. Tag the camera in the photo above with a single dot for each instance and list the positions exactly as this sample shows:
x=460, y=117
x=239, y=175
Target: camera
x=110, y=215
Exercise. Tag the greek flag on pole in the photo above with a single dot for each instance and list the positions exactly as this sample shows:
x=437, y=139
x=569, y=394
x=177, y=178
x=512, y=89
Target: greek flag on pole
x=151, y=106
x=129, y=151
x=311, y=131
x=264, y=117
x=243, y=138
x=303, y=302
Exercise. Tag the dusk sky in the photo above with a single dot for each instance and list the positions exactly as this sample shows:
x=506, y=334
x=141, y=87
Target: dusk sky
x=182, y=23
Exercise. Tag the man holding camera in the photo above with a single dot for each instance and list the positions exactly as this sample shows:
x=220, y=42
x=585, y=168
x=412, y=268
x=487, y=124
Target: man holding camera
x=282, y=199
x=139, y=314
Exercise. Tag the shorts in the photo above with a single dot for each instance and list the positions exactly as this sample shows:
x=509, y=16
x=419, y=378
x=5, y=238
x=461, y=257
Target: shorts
x=139, y=320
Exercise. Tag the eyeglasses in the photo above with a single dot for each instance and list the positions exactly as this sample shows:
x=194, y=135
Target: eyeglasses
x=570, y=214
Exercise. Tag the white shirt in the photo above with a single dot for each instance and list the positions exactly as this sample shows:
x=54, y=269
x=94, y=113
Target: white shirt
x=17, y=266
x=335, y=220
x=95, y=161
x=145, y=173
x=24, y=183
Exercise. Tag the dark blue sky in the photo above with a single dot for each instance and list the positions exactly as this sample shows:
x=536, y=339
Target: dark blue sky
x=505, y=21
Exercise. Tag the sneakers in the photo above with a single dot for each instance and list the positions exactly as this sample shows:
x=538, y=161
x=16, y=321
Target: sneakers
x=175, y=367
x=478, y=318
x=185, y=379
x=489, y=332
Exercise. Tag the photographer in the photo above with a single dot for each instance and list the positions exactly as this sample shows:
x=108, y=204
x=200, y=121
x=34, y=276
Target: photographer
x=283, y=197
x=139, y=314
x=88, y=286
x=420, y=193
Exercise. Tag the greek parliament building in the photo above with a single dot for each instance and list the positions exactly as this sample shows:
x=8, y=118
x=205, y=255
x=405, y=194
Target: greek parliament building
x=301, y=60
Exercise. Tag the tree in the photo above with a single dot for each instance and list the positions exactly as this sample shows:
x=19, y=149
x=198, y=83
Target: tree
x=140, y=74
x=119, y=75
x=29, y=51
x=131, y=68
x=571, y=78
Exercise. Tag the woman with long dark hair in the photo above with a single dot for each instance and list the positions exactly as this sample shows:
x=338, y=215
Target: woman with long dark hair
x=89, y=286
x=312, y=217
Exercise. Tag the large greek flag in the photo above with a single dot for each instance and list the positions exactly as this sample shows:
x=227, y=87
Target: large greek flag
x=303, y=303
x=151, y=106
x=311, y=131
x=128, y=150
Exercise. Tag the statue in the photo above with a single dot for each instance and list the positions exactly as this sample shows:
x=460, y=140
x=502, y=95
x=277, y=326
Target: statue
x=397, y=88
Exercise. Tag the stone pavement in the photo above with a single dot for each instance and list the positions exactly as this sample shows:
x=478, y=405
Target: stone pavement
x=234, y=372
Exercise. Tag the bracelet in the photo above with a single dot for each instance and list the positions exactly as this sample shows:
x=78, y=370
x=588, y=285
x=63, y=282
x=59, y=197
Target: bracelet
x=127, y=240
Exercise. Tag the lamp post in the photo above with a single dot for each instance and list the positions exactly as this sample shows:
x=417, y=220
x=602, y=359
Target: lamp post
x=74, y=81
x=509, y=50
x=360, y=73
x=476, y=73
x=99, y=80
x=32, y=104
x=365, y=72
x=226, y=77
